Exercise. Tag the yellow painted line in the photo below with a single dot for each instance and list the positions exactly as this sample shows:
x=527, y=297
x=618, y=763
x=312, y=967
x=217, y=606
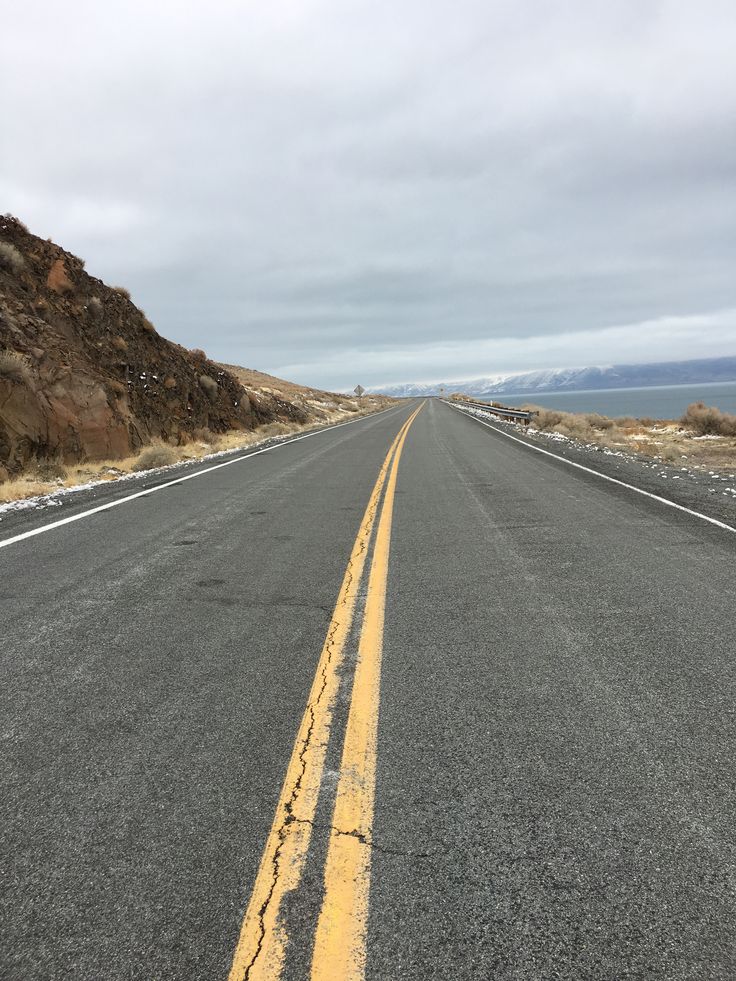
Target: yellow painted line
x=259, y=955
x=340, y=940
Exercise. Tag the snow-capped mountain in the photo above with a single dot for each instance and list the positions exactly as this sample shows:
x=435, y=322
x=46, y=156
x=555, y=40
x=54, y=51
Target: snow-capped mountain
x=578, y=379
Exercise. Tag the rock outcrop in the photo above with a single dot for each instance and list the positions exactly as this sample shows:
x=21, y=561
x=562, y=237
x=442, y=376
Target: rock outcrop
x=84, y=375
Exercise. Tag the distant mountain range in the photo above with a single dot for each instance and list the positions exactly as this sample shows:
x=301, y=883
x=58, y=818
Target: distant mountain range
x=579, y=379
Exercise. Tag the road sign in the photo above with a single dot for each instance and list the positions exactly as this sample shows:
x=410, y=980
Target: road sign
x=358, y=390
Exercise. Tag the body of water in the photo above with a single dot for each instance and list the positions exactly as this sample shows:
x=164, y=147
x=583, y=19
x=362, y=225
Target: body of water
x=661, y=402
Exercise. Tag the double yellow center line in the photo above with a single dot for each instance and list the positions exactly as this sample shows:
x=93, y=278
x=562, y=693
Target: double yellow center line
x=339, y=943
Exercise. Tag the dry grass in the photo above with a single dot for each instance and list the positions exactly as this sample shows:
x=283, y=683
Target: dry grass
x=119, y=343
x=278, y=428
x=664, y=440
x=121, y=291
x=705, y=437
x=24, y=487
x=47, y=478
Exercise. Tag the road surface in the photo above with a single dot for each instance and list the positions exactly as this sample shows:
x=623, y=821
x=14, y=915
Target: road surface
x=198, y=782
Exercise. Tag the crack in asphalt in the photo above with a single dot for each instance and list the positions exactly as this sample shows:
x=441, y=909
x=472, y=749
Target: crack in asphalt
x=290, y=817
x=368, y=840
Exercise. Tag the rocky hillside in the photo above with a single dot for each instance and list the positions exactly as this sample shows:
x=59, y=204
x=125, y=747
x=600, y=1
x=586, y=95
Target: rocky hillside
x=84, y=375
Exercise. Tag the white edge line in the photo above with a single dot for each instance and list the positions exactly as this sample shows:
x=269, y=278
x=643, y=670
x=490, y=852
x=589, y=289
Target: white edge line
x=597, y=473
x=180, y=480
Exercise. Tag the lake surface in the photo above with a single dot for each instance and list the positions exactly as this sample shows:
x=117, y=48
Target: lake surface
x=661, y=402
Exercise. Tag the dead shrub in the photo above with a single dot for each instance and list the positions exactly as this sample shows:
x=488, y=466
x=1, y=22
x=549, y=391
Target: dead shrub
x=707, y=420
x=155, y=455
x=203, y=435
x=668, y=453
x=169, y=382
x=121, y=291
x=547, y=419
x=197, y=352
x=117, y=387
x=95, y=308
x=591, y=427
x=119, y=343
x=11, y=258
x=148, y=326
x=209, y=386
x=14, y=365
x=51, y=470
x=596, y=421
x=274, y=429
x=573, y=427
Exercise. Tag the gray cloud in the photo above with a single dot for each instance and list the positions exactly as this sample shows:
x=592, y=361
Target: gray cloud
x=388, y=192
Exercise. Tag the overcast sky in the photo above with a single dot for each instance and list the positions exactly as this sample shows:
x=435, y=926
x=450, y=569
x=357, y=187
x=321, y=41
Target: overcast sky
x=412, y=190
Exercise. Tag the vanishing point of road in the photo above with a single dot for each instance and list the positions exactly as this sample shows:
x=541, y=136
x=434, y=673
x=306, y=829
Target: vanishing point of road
x=403, y=699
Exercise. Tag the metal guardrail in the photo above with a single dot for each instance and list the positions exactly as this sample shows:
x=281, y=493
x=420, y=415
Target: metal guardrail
x=518, y=415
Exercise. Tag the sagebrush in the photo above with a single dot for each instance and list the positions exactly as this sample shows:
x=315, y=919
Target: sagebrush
x=156, y=455
x=14, y=365
x=209, y=387
x=10, y=257
x=707, y=420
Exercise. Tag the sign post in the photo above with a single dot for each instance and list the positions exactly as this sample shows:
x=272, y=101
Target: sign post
x=359, y=390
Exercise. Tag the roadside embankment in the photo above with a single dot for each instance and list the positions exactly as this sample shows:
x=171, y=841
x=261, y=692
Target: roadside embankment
x=46, y=482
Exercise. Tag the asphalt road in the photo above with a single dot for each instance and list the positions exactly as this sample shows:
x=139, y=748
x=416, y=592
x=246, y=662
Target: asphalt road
x=552, y=794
